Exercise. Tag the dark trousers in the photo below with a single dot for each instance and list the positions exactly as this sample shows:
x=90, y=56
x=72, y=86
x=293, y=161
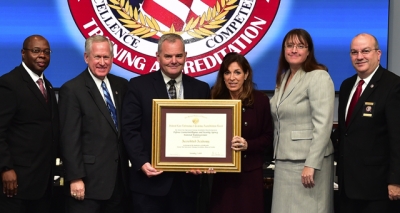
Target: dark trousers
x=174, y=202
x=15, y=205
x=348, y=205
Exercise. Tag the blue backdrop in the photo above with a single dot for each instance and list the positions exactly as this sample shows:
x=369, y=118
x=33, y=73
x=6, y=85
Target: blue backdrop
x=331, y=23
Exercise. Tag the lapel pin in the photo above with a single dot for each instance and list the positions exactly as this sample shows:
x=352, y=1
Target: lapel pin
x=116, y=92
x=372, y=86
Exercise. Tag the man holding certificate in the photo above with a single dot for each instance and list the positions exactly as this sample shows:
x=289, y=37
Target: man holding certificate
x=153, y=190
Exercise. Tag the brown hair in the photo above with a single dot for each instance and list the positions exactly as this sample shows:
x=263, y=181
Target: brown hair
x=220, y=91
x=308, y=65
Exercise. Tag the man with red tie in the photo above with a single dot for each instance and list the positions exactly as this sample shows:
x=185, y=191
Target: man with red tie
x=369, y=122
x=29, y=131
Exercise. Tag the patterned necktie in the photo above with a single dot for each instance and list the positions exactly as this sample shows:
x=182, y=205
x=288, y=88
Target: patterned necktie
x=110, y=104
x=42, y=89
x=172, y=89
x=354, y=100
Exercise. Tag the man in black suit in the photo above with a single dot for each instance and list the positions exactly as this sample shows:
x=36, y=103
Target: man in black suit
x=153, y=190
x=94, y=157
x=28, y=131
x=369, y=145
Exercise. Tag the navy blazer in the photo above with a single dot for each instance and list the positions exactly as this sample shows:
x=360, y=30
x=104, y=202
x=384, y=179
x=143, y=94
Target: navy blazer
x=137, y=130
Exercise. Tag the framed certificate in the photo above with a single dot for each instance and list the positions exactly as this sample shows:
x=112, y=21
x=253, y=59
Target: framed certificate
x=195, y=134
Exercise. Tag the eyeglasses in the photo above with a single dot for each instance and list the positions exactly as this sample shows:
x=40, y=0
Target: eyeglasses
x=37, y=51
x=364, y=51
x=298, y=46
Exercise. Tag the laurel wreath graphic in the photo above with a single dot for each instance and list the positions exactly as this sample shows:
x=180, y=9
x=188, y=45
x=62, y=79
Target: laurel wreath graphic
x=145, y=26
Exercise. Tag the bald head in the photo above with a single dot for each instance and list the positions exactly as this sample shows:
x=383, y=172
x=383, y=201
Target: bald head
x=36, y=53
x=365, y=54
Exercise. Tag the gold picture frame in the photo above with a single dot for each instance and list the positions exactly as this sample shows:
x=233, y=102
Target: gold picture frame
x=195, y=134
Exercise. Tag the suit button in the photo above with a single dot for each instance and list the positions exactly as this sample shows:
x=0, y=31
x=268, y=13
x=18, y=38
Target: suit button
x=244, y=156
x=244, y=110
x=116, y=160
x=245, y=123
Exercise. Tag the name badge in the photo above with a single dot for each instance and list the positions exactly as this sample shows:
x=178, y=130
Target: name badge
x=368, y=109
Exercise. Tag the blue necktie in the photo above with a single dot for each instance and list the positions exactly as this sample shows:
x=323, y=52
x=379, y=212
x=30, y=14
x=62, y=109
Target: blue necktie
x=110, y=104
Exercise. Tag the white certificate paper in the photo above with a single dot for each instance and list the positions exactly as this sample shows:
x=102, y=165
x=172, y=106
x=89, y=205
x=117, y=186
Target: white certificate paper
x=195, y=135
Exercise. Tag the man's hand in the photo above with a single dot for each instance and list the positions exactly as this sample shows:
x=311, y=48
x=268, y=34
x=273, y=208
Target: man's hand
x=149, y=170
x=307, y=177
x=78, y=189
x=394, y=191
x=10, y=186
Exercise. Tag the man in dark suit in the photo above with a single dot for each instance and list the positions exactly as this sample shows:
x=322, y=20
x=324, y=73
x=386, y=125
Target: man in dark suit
x=369, y=150
x=28, y=131
x=153, y=190
x=93, y=154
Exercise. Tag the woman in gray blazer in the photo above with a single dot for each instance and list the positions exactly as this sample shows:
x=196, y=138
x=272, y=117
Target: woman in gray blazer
x=302, y=111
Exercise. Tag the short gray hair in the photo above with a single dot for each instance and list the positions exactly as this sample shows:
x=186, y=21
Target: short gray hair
x=170, y=37
x=96, y=39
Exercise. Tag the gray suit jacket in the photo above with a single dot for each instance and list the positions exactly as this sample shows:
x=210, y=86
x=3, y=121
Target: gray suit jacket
x=303, y=117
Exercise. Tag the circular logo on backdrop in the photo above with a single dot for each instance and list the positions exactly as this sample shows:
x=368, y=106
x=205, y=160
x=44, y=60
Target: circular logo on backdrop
x=210, y=28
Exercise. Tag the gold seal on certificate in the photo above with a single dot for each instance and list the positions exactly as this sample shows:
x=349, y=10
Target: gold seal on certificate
x=195, y=134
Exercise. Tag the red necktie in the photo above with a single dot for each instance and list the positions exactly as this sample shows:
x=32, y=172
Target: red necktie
x=42, y=89
x=354, y=100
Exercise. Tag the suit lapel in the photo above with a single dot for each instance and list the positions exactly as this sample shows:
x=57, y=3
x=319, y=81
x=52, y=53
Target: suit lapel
x=345, y=91
x=51, y=97
x=159, y=85
x=98, y=98
x=369, y=89
x=187, y=87
x=293, y=83
x=116, y=93
x=33, y=88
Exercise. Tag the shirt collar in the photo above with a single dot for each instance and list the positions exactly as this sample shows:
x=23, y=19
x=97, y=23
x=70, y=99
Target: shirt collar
x=98, y=81
x=367, y=79
x=33, y=75
x=167, y=79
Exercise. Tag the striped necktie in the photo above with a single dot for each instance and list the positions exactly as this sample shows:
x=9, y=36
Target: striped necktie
x=110, y=104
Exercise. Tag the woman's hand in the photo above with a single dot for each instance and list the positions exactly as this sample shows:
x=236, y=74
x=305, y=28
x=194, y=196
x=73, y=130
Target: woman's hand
x=307, y=177
x=239, y=144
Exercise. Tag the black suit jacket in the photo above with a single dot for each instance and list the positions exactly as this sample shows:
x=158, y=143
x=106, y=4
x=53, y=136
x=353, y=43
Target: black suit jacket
x=137, y=131
x=28, y=132
x=369, y=147
x=91, y=147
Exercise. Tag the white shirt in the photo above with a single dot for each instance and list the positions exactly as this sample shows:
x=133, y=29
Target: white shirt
x=178, y=85
x=366, y=81
x=34, y=76
x=98, y=84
